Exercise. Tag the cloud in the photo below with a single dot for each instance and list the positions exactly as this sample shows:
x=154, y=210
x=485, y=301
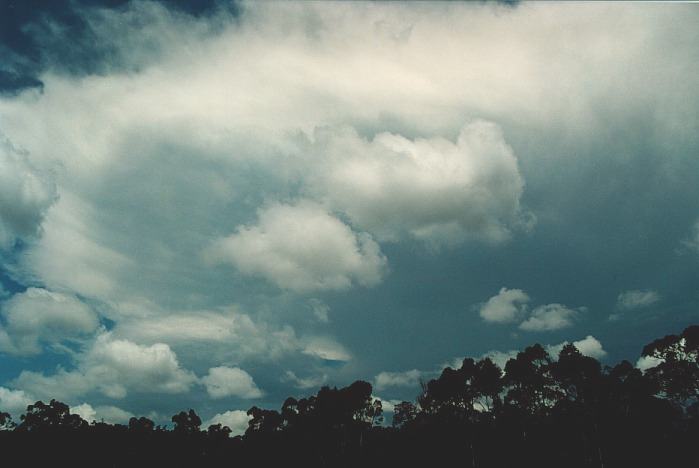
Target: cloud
x=85, y=411
x=236, y=420
x=14, y=402
x=39, y=316
x=25, y=195
x=692, y=242
x=302, y=247
x=107, y=414
x=320, y=310
x=112, y=367
x=430, y=189
x=499, y=357
x=224, y=382
x=304, y=382
x=387, y=406
x=508, y=305
x=112, y=414
x=326, y=348
x=73, y=37
x=71, y=255
x=636, y=299
x=647, y=362
x=224, y=333
x=409, y=378
x=549, y=317
x=588, y=346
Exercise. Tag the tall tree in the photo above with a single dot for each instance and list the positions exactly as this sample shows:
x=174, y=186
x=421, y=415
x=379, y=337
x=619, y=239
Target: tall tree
x=531, y=387
x=677, y=371
x=186, y=422
x=52, y=416
x=6, y=422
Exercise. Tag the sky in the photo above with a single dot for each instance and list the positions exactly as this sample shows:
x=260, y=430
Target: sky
x=217, y=205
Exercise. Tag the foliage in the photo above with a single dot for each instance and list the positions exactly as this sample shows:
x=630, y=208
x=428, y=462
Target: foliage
x=540, y=410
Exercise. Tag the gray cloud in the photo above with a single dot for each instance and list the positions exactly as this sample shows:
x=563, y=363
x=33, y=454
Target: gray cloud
x=549, y=317
x=38, y=316
x=25, y=195
x=385, y=379
x=637, y=298
x=320, y=310
x=692, y=242
x=304, y=383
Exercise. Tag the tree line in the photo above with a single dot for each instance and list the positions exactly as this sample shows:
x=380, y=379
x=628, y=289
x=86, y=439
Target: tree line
x=539, y=411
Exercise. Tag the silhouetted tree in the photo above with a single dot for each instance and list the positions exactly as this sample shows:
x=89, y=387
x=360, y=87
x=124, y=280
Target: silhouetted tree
x=451, y=396
x=677, y=373
x=52, y=416
x=540, y=411
x=218, y=431
x=263, y=421
x=186, y=422
x=576, y=376
x=404, y=413
x=487, y=385
x=530, y=386
x=6, y=422
x=141, y=425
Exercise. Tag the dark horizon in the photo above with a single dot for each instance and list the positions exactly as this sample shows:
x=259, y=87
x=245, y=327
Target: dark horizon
x=548, y=411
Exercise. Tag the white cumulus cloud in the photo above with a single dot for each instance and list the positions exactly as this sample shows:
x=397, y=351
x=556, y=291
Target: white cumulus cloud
x=549, y=317
x=14, y=402
x=646, y=362
x=302, y=247
x=114, y=368
x=508, y=305
x=588, y=346
x=107, y=414
x=224, y=382
x=236, y=420
x=431, y=189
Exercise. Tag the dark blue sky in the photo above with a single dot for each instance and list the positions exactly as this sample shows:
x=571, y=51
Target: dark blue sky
x=215, y=205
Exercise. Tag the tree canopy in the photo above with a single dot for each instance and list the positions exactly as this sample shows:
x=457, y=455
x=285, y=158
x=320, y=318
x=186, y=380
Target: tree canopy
x=539, y=410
